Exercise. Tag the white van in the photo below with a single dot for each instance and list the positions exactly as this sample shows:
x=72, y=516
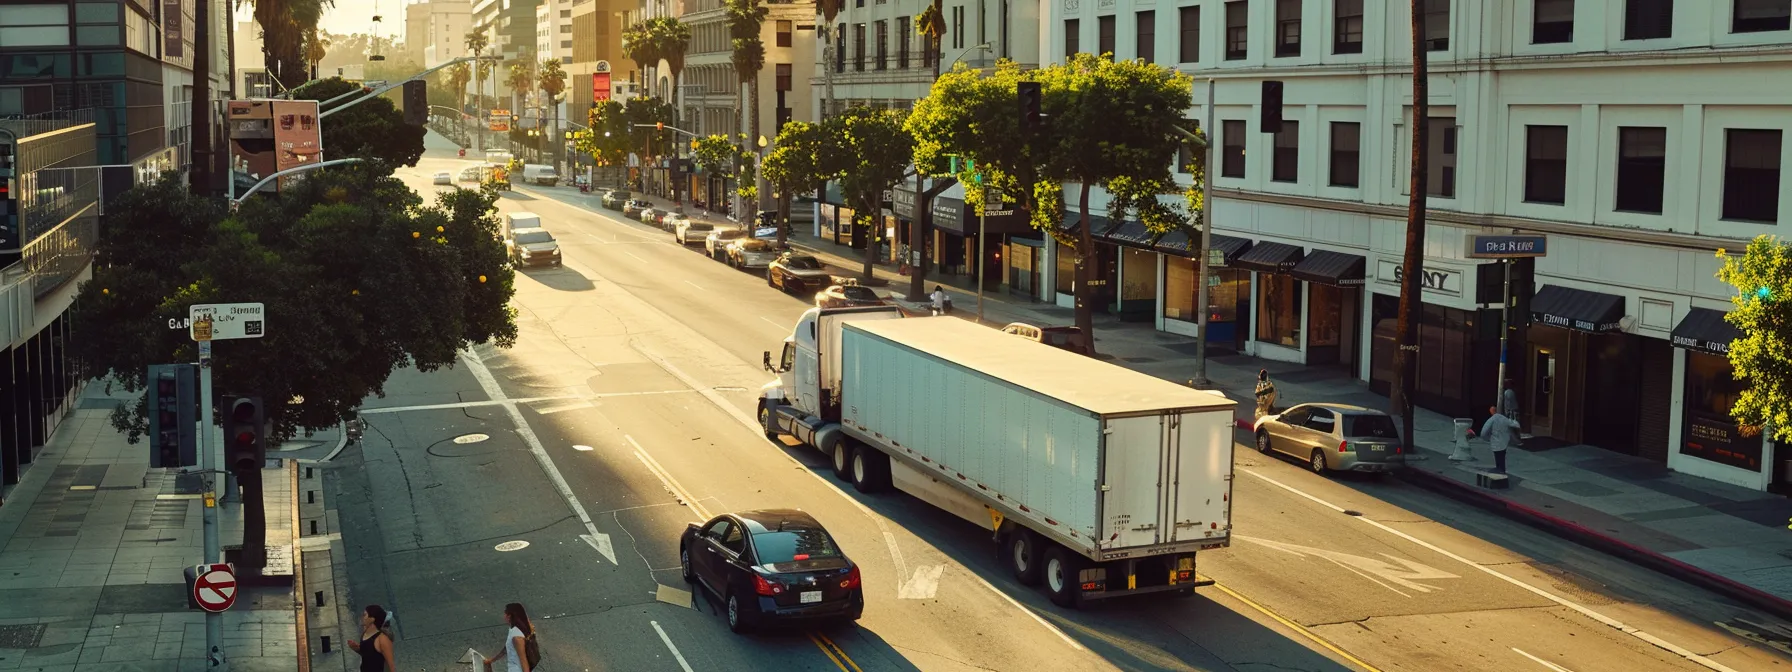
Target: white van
x=519, y=220
x=535, y=173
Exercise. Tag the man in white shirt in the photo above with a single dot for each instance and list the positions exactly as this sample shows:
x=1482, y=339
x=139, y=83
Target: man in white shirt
x=1499, y=431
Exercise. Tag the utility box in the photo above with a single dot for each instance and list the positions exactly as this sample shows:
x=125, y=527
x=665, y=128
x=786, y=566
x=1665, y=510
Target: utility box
x=268, y=136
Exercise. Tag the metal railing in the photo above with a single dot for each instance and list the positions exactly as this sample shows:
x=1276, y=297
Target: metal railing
x=27, y=125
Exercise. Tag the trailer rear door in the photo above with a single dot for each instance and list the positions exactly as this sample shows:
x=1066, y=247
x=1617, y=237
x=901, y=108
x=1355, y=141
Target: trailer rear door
x=1167, y=479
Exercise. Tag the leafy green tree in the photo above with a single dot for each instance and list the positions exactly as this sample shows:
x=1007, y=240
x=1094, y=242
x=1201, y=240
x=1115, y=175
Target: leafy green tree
x=606, y=140
x=717, y=153
x=869, y=153
x=1762, y=276
x=641, y=115
x=796, y=163
x=374, y=128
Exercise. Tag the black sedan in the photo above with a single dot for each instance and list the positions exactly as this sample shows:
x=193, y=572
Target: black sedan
x=771, y=566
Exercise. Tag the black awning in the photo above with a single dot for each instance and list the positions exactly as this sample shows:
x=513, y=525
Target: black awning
x=1073, y=225
x=1269, y=257
x=1331, y=268
x=1577, y=309
x=1182, y=244
x=1705, y=330
x=1131, y=233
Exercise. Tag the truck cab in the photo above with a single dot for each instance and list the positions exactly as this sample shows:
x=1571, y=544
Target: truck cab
x=806, y=393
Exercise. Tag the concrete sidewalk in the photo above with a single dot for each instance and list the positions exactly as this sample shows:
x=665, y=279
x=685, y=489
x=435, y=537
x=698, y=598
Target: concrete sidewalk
x=93, y=545
x=1728, y=539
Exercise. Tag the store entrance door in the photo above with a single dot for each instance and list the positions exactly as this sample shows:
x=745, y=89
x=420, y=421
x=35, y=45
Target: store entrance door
x=1542, y=388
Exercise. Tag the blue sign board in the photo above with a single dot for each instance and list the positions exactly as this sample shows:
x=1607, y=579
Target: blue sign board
x=1507, y=247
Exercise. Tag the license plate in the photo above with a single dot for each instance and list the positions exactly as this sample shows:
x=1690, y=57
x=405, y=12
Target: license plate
x=1376, y=448
x=810, y=596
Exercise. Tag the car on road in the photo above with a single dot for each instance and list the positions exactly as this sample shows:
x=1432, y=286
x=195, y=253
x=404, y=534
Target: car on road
x=444, y=177
x=1063, y=338
x=1333, y=437
x=472, y=174
x=716, y=243
x=649, y=216
x=771, y=567
x=544, y=175
x=634, y=207
x=670, y=220
x=691, y=231
x=793, y=272
x=847, y=295
x=533, y=247
x=615, y=198
x=751, y=253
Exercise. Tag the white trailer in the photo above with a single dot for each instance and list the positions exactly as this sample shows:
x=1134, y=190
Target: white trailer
x=1097, y=480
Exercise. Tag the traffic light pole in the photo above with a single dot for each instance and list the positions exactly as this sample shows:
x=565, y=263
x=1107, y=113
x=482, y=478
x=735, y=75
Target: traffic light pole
x=211, y=464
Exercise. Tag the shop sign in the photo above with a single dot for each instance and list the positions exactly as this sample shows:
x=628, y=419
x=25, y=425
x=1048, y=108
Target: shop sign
x=1507, y=247
x=902, y=202
x=1438, y=280
x=1719, y=348
x=948, y=213
x=1715, y=437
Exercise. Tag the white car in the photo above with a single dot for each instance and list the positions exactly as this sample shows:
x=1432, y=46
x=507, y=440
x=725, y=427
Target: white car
x=649, y=216
x=444, y=177
x=716, y=244
x=689, y=231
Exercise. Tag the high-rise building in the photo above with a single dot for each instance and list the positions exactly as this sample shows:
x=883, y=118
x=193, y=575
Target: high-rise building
x=436, y=31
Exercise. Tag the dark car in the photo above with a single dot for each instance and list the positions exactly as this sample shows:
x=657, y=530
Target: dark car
x=796, y=272
x=634, y=207
x=847, y=296
x=616, y=198
x=771, y=566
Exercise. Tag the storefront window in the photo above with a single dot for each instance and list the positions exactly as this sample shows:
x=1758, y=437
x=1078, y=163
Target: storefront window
x=830, y=217
x=1180, y=290
x=1325, y=317
x=1278, y=316
x=1710, y=432
x=1446, y=356
x=1023, y=269
x=1066, y=279
x=1138, y=275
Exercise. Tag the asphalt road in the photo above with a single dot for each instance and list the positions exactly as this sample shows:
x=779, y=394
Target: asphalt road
x=623, y=413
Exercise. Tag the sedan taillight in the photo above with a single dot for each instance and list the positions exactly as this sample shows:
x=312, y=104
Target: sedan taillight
x=852, y=578
x=1343, y=446
x=768, y=588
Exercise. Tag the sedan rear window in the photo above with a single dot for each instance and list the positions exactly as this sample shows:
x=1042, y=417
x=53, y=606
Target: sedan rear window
x=698, y=226
x=794, y=545
x=1376, y=426
x=534, y=237
x=805, y=263
x=729, y=234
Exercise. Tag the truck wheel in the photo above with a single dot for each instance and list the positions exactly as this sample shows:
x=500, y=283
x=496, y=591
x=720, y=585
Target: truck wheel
x=1061, y=580
x=1023, y=556
x=841, y=455
x=870, y=468
x=765, y=420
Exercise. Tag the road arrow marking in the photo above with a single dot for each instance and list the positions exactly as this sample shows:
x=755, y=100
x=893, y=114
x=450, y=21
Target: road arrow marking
x=601, y=542
x=923, y=584
x=1407, y=574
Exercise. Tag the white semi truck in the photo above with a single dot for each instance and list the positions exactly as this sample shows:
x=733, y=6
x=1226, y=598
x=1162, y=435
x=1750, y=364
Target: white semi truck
x=1097, y=481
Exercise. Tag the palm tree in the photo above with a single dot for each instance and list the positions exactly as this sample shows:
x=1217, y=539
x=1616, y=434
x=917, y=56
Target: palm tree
x=932, y=24
x=521, y=81
x=745, y=19
x=640, y=45
x=456, y=77
x=476, y=44
x=673, y=37
x=316, y=47
x=552, y=81
x=830, y=9
x=1405, y=362
x=284, y=27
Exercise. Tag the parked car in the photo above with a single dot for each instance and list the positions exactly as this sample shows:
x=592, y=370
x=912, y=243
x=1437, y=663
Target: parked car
x=634, y=207
x=847, y=295
x=691, y=231
x=615, y=198
x=533, y=247
x=1333, y=437
x=716, y=243
x=544, y=175
x=771, y=566
x=670, y=220
x=444, y=177
x=750, y=253
x=1063, y=338
x=472, y=174
x=793, y=272
x=648, y=216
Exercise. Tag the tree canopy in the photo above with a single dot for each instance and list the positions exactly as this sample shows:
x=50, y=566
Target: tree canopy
x=868, y=151
x=373, y=129
x=1762, y=276
x=796, y=163
x=359, y=277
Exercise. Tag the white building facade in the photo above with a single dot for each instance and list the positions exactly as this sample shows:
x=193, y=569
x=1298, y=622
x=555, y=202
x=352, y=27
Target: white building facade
x=436, y=32
x=1638, y=136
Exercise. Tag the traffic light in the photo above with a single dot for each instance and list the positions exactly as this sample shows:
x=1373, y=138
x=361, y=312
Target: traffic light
x=1272, y=107
x=659, y=125
x=416, y=102
x=245, y=433
x=173, y=412
x=1031, y=100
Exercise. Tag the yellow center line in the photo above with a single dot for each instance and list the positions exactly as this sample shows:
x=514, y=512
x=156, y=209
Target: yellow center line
x=1309, y=634
x=834, y=652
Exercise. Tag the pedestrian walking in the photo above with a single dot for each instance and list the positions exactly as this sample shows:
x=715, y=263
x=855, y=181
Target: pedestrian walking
x=939, y=300
x=375, y=642
x=521, y=652
x=1266, y=393
x=1509, y=402
x=1501, y=433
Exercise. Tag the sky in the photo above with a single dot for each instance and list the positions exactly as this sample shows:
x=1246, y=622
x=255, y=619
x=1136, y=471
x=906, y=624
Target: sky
x=352, y=16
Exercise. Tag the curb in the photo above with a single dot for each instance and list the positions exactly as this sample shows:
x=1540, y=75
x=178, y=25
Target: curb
x=1580, y=534
x=301, y=625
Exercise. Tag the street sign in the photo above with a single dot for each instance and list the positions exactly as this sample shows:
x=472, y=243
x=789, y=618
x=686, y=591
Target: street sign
x=1506, y=247
x=994, y=204
x=213, y=586
x=227, y=321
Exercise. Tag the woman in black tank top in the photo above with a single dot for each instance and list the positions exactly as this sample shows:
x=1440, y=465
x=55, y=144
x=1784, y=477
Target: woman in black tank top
x=375, y=645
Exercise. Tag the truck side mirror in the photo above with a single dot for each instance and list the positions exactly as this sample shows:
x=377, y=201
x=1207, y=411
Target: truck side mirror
x=768, y=362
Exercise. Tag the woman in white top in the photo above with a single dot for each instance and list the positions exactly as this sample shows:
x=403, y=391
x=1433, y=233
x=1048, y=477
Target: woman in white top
x=516, y=641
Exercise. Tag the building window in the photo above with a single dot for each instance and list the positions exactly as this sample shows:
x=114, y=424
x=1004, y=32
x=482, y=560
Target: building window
x=1147, y=40
x=1642, y=168
x=858, y=47
x=1441, y=178
x=902, y=28
x=1437, y=25
x=958, y=27
x=1759, y=16
x=1072, y=38
x=1347, y=34
x=982, y=22
x=1104, y=35
x=1232, y=152
x=1552, y=22
x=1285, y=163
x=783, y=71
x=1278, y=310
x=883, y=45
x=1711, y=433
x=1064, y=281
x=1346, y=153
x=1648, y=19
x=1188, y=43
x=34, y=25
x=1287, y=28
x=1238, y=30
x=1752, y=175
x=1546, y=164
x=784, y=31
x=840, y=48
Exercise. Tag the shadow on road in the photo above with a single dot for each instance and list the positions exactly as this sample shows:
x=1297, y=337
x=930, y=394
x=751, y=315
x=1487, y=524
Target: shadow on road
x=515, y=195
x=868, y=650
x=562, y=278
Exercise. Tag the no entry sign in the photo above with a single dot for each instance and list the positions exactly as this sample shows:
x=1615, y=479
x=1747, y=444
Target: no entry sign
x=213, y=586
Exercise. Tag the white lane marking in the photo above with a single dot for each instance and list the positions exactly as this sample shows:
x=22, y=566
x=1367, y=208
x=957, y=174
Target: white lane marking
x=674, y=649
x=667, y=480
x=923, y=584
x=633, y=255
x=693, y=284
x=1613, y=623
x=598, y=540
x=779, y=325
x=558, y=408
x=1401, y=571
x=1552, y=666
x=524, y=400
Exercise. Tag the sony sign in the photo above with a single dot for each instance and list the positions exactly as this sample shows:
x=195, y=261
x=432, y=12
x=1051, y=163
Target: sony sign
x=1437, y=280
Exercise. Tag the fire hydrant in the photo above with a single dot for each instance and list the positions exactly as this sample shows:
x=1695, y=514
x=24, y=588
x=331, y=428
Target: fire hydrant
x=1462, y=452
